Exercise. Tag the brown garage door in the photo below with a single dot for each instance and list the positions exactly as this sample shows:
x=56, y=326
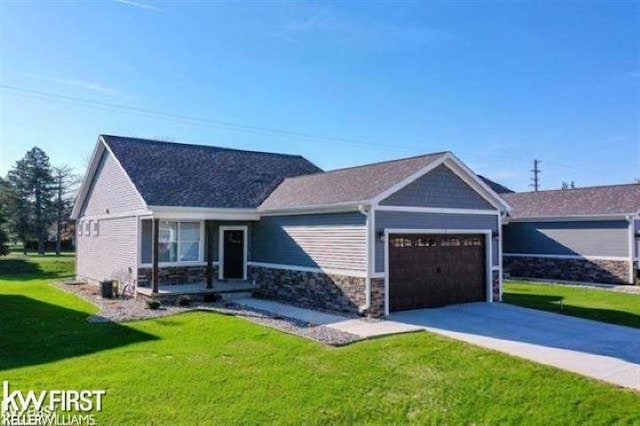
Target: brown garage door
x=427, y=271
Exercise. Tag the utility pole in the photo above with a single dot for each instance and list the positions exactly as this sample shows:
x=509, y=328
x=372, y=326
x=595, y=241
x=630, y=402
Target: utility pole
x=536, y=173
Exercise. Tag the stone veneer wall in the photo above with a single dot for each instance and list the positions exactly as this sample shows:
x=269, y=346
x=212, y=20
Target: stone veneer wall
x=175, y=275
x=601, y=271
x=376, y=309
x=495, y=286
x=339, y=293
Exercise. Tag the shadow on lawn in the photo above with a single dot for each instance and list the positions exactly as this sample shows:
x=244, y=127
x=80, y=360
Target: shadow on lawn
x=26, y=268
x=555, y=304
x=34, y=332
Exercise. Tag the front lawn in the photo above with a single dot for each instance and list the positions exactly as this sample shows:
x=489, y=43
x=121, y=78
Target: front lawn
x=585, y=302
x=203, y=368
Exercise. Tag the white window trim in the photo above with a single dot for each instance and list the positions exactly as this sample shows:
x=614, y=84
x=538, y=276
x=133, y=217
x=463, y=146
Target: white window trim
x=80, y=228
x=88, y=228
x=96, y=228
x=199, y=262
x=245, y=239
x=488, y=255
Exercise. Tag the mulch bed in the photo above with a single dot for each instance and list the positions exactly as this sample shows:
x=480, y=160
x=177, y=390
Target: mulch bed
x=123, y=310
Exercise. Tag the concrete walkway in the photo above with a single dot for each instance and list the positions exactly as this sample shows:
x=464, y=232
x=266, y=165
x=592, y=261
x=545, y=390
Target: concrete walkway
x=594, y=349
x=361, y=327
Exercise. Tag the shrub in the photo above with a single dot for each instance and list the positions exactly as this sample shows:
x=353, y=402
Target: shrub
x=153, y=304
x=183, y=300
x=211, y=298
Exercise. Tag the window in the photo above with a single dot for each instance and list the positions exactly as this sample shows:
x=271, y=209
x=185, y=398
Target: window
x=95, y=228
x=87, y=228
x=79, y=225
x=177, y=242
x=400, y=242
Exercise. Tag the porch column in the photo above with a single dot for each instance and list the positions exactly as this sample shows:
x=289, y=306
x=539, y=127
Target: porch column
x=210, y=243
x=155, y=256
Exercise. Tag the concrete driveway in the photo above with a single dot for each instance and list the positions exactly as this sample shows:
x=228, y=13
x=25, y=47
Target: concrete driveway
x=594, y=349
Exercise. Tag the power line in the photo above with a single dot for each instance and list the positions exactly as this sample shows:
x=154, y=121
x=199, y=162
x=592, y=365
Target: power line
x=199, y=120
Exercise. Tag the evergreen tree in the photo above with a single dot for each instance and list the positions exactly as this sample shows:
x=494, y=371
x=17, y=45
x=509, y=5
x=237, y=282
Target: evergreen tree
x=4, y=188
x=33, y=183
x=66, y=185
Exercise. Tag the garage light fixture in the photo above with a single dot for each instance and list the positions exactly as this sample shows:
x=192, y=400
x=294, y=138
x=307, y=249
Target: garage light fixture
x=380, y=235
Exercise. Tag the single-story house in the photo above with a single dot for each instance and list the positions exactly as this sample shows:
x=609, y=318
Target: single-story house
x=586, y=234
x=402, y=234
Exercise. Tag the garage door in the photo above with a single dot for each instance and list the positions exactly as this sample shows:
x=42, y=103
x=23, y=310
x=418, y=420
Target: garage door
x=428, y=271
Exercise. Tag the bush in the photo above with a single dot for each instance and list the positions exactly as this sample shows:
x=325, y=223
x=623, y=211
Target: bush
x=211, y=298
x=153, y=304
x=183, y=300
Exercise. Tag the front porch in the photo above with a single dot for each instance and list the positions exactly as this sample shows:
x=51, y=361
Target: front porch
x=193, y=255
x=219, y=287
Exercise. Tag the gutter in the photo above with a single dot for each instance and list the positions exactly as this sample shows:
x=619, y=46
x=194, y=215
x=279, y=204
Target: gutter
x=367, y=213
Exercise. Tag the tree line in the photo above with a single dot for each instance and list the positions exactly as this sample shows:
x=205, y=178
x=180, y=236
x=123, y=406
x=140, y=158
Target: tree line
x=36, y=200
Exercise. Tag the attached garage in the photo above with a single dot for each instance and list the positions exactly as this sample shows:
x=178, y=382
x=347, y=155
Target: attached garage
x=429, y=270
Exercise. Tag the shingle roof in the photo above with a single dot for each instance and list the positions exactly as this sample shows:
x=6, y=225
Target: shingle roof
x=600, y=200
x=495, y=186
x=176, y=174
x=350, y=185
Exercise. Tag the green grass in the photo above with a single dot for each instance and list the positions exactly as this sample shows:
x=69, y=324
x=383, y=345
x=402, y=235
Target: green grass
x=203, y=368
x=590, y=303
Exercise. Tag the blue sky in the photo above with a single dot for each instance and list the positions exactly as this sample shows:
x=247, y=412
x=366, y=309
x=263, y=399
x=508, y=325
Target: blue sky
x=499, y=84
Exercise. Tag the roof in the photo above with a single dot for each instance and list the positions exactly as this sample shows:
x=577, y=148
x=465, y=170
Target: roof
x=178, y=174
x=349, y=185
x=599, y=200
x=497, y=188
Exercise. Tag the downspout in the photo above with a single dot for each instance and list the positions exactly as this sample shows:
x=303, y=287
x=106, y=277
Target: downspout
x=363, y=309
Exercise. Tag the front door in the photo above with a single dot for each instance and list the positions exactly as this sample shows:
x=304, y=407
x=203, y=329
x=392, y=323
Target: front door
x=233, y=256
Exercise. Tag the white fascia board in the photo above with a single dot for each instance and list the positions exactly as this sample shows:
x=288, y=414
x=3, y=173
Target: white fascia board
x=477, y=184
x=135, y=188
x=574, y=218
x=409, y=209
x=87, y=179
x=566, y=256
x=406, y=181
x=319, y=209
x=203, y=213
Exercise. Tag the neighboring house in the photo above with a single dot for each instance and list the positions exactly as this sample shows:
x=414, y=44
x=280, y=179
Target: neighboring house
x=403, y=234
x=586, y=234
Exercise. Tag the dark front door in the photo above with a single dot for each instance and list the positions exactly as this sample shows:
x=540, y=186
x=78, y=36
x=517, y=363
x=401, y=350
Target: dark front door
x=233, y=254
x=427, y=271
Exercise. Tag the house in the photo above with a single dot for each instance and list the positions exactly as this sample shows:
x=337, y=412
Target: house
x=364, y=239
x=586, y=234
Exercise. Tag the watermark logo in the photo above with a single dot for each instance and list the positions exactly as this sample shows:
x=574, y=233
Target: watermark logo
x=49, y=407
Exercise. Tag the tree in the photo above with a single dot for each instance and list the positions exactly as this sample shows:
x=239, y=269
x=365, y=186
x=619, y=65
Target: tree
x=33, y=183
x=66, y=185
x=4, y=250
x=567, y=185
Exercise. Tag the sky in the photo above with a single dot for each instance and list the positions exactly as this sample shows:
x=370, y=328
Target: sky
x=342, y=83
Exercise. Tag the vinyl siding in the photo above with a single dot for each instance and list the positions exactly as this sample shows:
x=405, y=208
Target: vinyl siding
x=329, y=241
x=594, y=238
x=110, y=190
x=111, y=253
x=403, y=220
x=438, y=188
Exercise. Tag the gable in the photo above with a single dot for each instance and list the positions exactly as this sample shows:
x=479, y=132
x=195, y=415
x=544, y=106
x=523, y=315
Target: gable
x=110, y=190
x=441, y=188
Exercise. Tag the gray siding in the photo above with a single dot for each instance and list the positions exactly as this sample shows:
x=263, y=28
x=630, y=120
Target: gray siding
x=110, y=189
x=330, y=241
x=594, y=238
x=111, y=253
x=438, y=188
x=403, y=220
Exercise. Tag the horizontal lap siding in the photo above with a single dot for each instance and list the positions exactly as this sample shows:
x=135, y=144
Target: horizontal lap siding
x=111, y=253
x=111, y=189
x=593, y=238
x=405, y=220
x=438, y=188
x=329, y=241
